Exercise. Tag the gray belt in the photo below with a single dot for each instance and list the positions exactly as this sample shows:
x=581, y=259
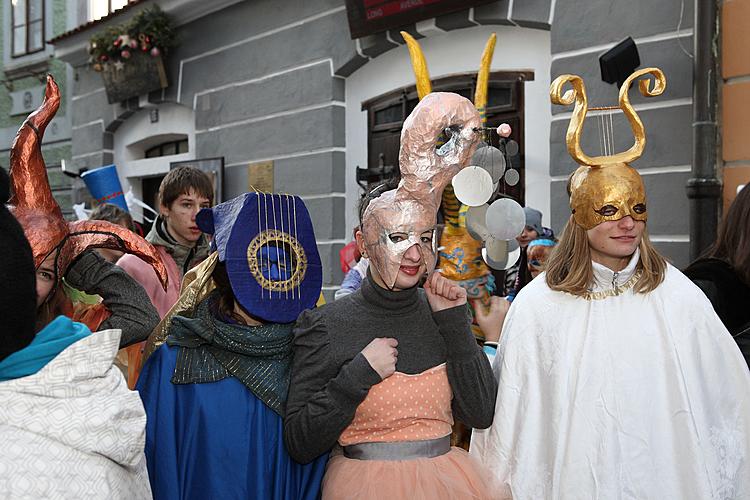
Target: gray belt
x=399, y=450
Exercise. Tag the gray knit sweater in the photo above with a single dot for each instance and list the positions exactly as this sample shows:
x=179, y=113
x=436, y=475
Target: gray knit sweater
x=131, y=309
x=330, y=376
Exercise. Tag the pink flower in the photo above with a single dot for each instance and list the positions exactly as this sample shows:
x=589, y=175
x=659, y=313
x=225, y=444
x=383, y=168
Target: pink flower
x=125, y=54
x=133, y=44
x=504, y=130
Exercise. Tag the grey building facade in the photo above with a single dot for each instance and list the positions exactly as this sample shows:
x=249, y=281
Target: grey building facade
x=283, y=84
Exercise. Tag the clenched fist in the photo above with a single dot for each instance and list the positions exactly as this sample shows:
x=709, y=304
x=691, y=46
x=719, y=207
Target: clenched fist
x=443, y=293
x=382, y=355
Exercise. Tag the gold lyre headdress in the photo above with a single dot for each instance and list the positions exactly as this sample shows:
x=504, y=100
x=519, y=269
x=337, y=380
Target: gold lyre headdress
x=606, y=187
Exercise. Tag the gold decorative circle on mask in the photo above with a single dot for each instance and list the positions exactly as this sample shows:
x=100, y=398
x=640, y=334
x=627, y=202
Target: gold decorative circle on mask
x=279, y=239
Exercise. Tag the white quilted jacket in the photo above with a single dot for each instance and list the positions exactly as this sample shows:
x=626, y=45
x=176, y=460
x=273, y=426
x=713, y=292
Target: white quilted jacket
x=73, y=430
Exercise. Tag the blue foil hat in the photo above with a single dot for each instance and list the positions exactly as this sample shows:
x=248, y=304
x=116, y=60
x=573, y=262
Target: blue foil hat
x=268, y=245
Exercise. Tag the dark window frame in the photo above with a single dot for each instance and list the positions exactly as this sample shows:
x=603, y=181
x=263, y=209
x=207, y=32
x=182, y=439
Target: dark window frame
x=26, y=24
x=160, y=147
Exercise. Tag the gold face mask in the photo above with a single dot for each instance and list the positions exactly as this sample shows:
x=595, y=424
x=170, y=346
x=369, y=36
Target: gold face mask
x=607, y=193
x=606, y=188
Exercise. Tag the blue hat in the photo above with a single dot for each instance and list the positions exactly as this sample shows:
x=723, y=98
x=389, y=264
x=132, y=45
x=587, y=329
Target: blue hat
x=268, y=244
x=541, y=242
x=105, y=186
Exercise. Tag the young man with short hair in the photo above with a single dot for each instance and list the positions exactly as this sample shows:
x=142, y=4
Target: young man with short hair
x=181, y=245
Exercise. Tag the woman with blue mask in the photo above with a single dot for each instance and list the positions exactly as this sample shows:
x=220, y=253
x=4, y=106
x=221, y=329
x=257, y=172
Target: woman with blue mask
x=215, y=387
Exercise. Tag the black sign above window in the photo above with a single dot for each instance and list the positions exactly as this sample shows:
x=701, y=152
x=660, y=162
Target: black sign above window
x=372, y=16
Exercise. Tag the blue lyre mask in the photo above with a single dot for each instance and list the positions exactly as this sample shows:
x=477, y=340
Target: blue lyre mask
x=268, y=244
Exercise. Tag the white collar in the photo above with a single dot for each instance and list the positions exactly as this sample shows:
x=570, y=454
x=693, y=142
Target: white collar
x=606, y=279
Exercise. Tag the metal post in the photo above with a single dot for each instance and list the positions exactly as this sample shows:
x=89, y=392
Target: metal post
x=704, y=188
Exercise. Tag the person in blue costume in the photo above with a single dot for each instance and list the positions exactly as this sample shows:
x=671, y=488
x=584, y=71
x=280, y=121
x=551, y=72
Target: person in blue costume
x=216, y=384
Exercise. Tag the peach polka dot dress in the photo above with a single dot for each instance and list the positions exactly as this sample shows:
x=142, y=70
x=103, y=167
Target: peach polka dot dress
x=405, y=408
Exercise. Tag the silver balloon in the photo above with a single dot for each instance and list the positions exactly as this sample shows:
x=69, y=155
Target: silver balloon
x=512, y=177
x=491, y=159
x=505, y=219
x=473, y=186
x=475, y=222
x=511, y=148
x=513, y=245
x=495, y=253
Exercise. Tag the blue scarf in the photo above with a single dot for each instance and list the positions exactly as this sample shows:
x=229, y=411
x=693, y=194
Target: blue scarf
x=47, y=344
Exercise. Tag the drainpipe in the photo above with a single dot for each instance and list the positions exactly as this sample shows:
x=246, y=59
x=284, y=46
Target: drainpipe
x=704, y=188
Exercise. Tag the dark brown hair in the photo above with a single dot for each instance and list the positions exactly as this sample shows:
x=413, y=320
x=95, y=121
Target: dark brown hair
x=181, y=181
x=57, y=304
x=226, y=301
x=114, y=214
x=733, y=238
x=373, y=193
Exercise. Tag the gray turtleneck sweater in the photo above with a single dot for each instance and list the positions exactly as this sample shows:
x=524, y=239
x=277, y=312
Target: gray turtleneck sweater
x=331, y=377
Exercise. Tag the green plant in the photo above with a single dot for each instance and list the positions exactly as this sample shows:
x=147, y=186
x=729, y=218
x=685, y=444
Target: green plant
x=150, y=31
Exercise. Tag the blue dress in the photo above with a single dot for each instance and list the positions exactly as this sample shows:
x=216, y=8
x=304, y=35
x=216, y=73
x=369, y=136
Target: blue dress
x=217, y=441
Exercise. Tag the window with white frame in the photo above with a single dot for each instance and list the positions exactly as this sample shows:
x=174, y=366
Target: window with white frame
x=27, y=20
x=102, y=8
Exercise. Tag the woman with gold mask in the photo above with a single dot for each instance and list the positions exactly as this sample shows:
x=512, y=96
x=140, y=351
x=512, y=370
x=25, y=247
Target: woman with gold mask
x=616, y=378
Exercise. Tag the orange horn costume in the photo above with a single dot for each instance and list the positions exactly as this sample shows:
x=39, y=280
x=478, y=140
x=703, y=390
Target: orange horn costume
x=36, y=209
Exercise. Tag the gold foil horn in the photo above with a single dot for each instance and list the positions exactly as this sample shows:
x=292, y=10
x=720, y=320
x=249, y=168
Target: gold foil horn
x=483, y=77
x=649, y=88
x=418, y=63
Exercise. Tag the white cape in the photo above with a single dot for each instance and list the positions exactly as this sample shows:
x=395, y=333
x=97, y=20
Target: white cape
x=73, y=429
x=626, y=397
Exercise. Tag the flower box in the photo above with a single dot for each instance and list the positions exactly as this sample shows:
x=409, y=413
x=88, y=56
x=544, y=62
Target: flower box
x=141, y=74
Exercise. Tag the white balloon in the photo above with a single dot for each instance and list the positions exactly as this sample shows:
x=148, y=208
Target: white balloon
x=513, y=258
x=495, y=253
x=475, y=222
x=505, y=219
x=473, y=186
x=496, y=265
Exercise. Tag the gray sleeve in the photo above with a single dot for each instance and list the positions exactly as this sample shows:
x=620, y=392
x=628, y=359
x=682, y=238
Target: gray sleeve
x=469, y=371
x=132, y=310
x=322, y=397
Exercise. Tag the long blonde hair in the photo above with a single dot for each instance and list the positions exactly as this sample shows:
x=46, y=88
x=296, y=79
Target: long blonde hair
x=569, y=267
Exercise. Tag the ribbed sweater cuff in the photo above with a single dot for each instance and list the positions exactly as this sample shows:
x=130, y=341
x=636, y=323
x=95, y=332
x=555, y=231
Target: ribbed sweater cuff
x=353, y=382
x=455, y=327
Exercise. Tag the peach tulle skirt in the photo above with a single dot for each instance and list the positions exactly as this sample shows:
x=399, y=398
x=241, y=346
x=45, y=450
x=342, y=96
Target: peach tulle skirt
x=454, y=475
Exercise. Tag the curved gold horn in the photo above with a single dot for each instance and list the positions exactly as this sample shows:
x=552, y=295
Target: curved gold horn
x=647, y=90
x=418, y=63
x=483, y=78
x=575, y=95
x=578, y=95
